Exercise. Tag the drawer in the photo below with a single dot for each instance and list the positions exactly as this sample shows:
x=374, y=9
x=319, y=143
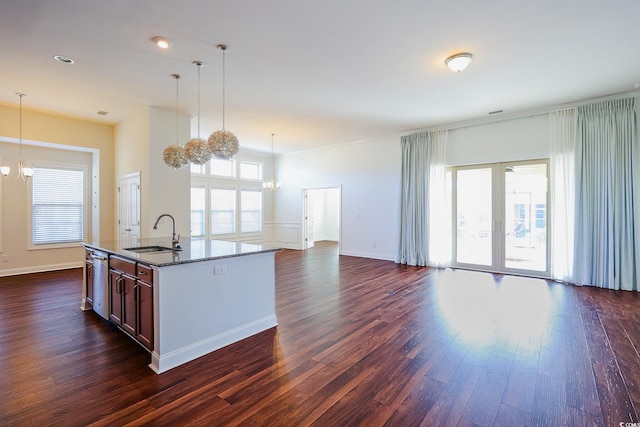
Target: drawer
x=145, y=273
x=124, y=265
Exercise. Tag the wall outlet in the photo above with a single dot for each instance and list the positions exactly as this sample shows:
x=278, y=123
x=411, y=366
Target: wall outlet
x=4, y=258
x=220, y=269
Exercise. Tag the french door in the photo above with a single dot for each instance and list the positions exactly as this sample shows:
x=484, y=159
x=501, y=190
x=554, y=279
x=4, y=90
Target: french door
x=499, y=217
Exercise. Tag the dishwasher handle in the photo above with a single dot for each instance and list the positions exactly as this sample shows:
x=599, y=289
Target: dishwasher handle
x=98, y=257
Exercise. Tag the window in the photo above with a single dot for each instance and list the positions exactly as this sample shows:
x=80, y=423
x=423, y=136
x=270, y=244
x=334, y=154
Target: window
x=251, y=171
x=251, y=211
x=226, y=198
x=216, y=167
x=197, y=169
x=223, y=167
x=197, y=211
x=57, y=206
x=223, y=211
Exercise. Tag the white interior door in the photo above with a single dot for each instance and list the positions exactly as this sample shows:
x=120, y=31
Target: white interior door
x=129, y=209
x=308, y=219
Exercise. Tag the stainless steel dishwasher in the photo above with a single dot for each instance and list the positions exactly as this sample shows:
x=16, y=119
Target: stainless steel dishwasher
x=100, y=268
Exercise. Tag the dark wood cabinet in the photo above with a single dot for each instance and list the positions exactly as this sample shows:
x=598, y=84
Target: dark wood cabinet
x=115, y=296
x=131, y=291
x=129, y=304
x=144, y=333
x=89, y=273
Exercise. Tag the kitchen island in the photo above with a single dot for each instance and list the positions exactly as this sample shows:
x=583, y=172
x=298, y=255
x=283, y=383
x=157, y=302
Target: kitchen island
x=183, y=304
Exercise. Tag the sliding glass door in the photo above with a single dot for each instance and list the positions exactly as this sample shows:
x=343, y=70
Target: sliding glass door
x=474, y=213
x=500, y=216
x=525, y=217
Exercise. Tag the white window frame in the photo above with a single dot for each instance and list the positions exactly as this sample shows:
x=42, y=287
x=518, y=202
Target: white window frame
x=86, y=200
x=239, y=209
x=209, y=181
x=253, y=163
x=205, y=210
x=214, y=186
x=498, y=218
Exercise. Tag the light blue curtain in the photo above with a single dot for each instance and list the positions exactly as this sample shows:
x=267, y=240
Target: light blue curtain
x=562, y=167
x=423, y=158
x=439, y=208
x=605, y=247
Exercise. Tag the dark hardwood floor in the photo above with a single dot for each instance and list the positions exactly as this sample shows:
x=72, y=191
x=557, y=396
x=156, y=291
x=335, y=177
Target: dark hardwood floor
x=360, y=342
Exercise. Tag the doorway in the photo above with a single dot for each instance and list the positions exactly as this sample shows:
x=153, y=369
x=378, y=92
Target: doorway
x=499, y=213
x=321, y=216
x=129, y=209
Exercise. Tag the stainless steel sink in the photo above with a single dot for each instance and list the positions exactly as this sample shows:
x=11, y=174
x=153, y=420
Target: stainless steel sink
x=151, y=249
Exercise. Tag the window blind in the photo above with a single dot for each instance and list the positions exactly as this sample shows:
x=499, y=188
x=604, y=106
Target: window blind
x=57, y=206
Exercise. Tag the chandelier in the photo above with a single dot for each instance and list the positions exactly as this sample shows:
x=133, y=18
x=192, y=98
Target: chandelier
x=23, y=172
x=197, y=149
x=272, y=184
x=174, y=154
x=223, y=144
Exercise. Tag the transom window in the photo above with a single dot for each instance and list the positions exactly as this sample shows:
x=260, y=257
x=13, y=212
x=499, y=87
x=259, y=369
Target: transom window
x=228, y=169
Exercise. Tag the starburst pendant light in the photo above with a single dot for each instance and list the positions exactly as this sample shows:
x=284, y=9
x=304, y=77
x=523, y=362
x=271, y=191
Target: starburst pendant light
x=223, y=143
x=272, y=184
x=174, y=154
x=197, y=149
x=23, y=172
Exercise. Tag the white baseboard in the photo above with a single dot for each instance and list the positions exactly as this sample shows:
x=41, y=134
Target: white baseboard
x=185, y=354
x=369, y=255
x=40, y=268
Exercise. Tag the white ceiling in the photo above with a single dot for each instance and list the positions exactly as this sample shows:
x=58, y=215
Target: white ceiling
x=317, y=72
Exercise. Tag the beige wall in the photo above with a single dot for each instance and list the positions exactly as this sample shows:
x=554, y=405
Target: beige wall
x=64, y=136
x=140, y=142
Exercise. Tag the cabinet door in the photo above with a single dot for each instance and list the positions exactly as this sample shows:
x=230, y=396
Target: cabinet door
x=145, y=314
x=129, y=304
x=115, y=296
x=88, y=280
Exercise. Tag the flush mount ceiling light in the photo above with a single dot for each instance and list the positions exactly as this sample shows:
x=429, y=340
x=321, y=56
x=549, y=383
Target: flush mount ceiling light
x=224, y=144
x=198, y=151
x=161, y=42
x=459, y=61
x=64, y=59
x=174, y=155
x=23, y=172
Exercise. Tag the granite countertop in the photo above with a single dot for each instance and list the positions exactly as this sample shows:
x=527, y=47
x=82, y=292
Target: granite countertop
x=194, y=249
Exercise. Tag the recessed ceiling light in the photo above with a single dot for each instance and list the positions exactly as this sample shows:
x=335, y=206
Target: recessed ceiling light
x=102, y=113
x=459, y=61
x=63, y=59
x=162, y=42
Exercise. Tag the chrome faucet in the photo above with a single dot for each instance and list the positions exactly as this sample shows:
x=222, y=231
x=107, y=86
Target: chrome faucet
x=175, y=239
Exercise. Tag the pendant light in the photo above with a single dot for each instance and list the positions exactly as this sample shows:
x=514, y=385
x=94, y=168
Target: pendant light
x=23, y=172
x=174, y=154
x=272, y=184
x=224, y=144
x=197, y=149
